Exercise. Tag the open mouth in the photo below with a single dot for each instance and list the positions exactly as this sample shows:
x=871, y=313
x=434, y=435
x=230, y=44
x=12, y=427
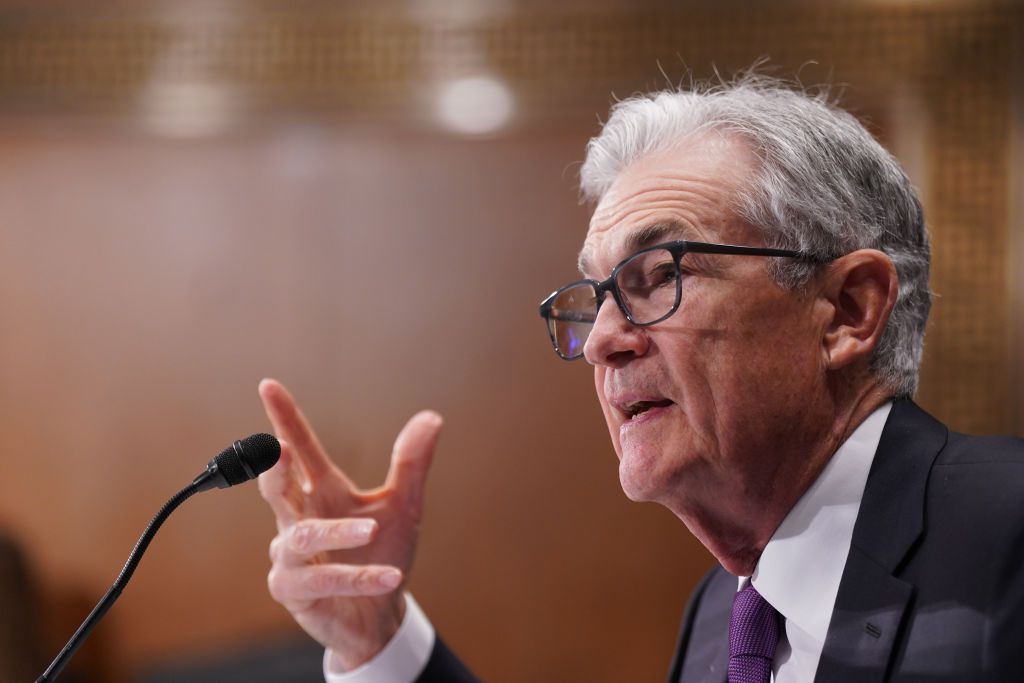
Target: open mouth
x=638, y=408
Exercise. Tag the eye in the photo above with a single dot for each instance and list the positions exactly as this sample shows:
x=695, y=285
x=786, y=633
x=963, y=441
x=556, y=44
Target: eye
x=663, y=274
x=648, y=272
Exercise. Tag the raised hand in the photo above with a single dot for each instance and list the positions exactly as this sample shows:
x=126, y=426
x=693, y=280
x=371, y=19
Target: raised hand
x=341, y=553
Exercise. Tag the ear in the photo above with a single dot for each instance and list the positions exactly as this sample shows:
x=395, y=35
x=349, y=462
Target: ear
x=862, y=288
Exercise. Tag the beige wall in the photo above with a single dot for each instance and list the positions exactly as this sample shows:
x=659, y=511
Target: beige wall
x=149, y=286
x=148, y=283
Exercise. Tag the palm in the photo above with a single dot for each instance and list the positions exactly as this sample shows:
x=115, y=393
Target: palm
x=332, y=619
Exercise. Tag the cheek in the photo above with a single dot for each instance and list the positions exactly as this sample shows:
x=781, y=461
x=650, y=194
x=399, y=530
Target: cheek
x=788, y=351
x=768, y=368
x=692, y=356
x=732, y=355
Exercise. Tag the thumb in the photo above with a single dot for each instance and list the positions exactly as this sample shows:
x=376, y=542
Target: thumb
x=411, y=458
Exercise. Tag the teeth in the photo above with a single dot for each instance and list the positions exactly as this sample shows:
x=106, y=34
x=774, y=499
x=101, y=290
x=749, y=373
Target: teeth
x=634, y=409
x=638, y=407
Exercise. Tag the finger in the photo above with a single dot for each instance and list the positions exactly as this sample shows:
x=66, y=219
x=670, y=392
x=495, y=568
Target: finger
x=305, y=538
x=315, y=582
x=411, y=458
x=280, y=487
x=291, y=425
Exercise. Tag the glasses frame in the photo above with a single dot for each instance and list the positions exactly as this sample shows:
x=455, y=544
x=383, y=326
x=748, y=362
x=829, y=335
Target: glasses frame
x=678, y=249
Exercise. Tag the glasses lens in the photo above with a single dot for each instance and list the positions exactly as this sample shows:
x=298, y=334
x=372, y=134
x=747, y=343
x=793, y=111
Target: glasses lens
x=649, y=284
x=572, y=315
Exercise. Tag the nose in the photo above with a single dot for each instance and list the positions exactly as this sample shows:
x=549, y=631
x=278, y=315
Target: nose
x=614, y=340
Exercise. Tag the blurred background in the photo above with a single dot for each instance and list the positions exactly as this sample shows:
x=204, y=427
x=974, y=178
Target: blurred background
x=367, y=200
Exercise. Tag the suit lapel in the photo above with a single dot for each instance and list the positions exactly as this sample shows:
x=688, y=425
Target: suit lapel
x=710, y=658
x=703, y=652
x=865, y=621
x=715, y=659
x=871, y=601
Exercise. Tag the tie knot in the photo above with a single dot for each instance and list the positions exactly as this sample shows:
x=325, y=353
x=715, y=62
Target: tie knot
x=753, y=636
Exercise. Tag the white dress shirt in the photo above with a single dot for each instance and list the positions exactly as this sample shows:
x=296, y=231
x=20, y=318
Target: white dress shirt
x=401, y=660
x=800, y=568
x=798, y=573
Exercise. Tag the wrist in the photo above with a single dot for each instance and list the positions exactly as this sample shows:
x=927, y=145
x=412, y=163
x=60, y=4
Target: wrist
x=372, y=636
x=403, y=658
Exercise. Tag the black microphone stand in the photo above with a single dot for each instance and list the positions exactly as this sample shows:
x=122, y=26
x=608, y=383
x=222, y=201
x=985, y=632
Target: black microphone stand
x=123, y=578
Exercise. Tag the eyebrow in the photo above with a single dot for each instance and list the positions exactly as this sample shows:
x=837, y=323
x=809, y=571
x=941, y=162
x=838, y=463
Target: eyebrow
x=646, y=236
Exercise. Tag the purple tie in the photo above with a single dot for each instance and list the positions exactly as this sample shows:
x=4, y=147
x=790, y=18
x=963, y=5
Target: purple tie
x=753, y=635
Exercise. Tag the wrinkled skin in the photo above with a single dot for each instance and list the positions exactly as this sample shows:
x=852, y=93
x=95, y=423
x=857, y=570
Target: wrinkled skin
x=341, y=553
x=762, y=389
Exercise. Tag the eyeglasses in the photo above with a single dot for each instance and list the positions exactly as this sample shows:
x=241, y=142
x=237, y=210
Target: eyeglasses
x=647, y=287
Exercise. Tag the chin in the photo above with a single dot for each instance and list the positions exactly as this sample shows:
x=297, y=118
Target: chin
x=638, y=481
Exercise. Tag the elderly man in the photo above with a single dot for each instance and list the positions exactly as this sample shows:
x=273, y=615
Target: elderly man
x=754, y=301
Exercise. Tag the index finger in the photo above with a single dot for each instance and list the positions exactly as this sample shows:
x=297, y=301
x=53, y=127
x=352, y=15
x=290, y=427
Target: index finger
x=280, y=489
x=291, y=425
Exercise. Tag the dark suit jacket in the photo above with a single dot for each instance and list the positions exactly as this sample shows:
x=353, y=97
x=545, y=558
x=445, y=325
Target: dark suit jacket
x=933, y=588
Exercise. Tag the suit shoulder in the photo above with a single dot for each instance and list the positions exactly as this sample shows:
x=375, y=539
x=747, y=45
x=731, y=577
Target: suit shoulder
x=963, y=449
x=980, y=480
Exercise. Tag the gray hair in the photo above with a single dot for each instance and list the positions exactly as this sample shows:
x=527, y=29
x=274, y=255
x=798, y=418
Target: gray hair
x=824, y=186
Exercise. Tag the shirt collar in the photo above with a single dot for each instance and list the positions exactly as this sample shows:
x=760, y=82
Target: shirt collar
x=801, y=567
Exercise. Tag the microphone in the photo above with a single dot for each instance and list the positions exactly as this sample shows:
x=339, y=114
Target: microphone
x=241, y=461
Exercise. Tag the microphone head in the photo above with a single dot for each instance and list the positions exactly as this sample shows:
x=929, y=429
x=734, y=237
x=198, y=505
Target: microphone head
x=248, y=458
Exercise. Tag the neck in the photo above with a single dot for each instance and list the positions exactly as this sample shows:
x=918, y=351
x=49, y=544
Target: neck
x=735, y=528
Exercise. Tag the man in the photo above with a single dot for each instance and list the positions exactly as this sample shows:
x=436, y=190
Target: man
x=754, y=305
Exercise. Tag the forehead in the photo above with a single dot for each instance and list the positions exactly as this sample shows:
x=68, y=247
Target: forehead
x=683, y=192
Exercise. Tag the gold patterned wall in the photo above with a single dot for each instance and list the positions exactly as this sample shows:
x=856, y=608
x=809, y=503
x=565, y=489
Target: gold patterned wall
x=955, y=61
